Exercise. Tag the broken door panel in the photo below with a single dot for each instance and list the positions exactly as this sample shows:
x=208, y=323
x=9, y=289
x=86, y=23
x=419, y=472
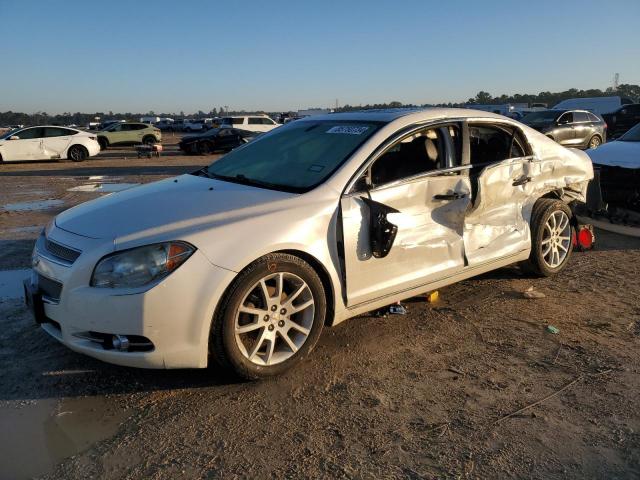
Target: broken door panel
x=495, y=227
x=428, y=242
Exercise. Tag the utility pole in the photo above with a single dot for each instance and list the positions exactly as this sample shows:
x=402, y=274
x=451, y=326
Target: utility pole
x=616, y=81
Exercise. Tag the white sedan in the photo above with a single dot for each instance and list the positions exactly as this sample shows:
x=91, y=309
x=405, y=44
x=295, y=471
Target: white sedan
x=47, y=143
x=623, y=152
x=245, y=261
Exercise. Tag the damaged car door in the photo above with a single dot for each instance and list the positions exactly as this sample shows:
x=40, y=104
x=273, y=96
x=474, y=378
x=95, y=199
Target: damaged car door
x=402, y=220
x=501, y=178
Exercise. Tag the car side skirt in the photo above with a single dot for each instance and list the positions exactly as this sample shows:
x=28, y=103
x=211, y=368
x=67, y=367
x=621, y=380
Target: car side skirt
x=428, y=287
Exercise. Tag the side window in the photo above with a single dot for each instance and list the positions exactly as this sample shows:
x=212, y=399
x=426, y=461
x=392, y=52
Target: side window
x=580, y=117
x=255, y=121
x=566, y=118
x=634, y=109
x=427, y=150
x=491, y=143
x=30, y=133
x=593, y=117
x=267, y=121
x=118, y=127
x=225, y=132
x=56, y=132
x=139, y=126
x=237, y=121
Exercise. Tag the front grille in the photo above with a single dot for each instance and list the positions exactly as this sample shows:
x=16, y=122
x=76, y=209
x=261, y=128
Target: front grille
x=60, y=251
x=49, y=288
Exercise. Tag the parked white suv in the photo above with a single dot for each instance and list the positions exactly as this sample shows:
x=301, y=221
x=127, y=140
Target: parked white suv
x=47, y=143
x=252, y=123
x=199, y=125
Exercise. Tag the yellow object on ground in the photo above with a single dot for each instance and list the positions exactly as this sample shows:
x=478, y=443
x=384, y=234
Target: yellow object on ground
x=432, y=296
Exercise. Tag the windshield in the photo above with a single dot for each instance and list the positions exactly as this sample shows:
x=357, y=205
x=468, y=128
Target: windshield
x=295, y=158
x=632, y=135
x=541, y=118
x=6, y=135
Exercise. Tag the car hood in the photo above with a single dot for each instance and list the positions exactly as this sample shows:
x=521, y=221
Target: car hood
x=617, y=154
x=180, y=204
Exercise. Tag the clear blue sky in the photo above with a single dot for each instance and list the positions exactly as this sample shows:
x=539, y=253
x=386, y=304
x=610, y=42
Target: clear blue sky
x=167, y=56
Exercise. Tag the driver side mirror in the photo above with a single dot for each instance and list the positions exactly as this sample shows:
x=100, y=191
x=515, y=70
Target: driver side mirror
x=14, y=137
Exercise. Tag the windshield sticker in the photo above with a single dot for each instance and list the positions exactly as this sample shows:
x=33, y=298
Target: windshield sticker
x=348, y=130
x=316, y=168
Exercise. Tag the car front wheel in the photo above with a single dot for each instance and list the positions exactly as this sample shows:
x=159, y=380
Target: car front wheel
x=271, y=317
x=551, y=237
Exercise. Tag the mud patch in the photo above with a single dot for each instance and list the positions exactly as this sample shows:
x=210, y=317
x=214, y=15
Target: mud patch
x=48, y=431
x=33, y=205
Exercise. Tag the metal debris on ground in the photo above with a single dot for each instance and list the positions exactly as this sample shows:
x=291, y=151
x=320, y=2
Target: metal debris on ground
x=531, y=293
x=395, y=309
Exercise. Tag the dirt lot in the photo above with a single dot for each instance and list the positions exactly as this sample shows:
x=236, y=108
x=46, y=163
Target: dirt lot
x=424, y=395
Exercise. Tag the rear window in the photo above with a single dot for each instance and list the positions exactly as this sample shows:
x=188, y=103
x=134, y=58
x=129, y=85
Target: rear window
x=580, y=117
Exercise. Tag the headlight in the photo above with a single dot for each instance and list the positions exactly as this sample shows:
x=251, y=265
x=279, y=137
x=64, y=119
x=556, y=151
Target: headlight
x=140, y=266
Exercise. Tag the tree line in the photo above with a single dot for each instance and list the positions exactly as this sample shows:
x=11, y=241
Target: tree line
x=485, y=98
x=482, y=98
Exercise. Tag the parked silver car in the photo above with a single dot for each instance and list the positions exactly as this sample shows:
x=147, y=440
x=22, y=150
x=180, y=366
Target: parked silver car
x=571, y=128
x=247, y=260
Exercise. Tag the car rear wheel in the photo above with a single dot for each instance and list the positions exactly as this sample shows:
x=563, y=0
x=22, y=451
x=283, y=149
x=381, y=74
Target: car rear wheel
x=551, y=237
x=271, y=317
x=595, y=141
x=77, y=153
x=149, y=140
x=205, y=148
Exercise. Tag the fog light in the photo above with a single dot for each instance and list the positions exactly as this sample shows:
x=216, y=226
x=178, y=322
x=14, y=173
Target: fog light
x=120, y=342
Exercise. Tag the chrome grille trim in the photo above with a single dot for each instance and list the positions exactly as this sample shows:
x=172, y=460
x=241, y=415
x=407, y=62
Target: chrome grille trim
x=60, y=251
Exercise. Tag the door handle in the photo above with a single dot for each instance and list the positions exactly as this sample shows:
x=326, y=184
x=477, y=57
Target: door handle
x=449, y=196
x=521, y=181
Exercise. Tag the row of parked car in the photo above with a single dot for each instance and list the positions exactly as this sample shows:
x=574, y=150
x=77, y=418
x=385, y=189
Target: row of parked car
x=252, y=123
x=571, y=128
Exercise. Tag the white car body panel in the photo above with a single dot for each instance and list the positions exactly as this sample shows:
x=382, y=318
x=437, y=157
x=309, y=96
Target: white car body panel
x=231, y=225
x=47, y=148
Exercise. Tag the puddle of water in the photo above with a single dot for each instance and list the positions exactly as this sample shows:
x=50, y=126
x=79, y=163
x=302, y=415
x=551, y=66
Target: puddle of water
x=46, y=432
x=11, y=283
x=103, y=178
x=103, y=187
x=32, y=206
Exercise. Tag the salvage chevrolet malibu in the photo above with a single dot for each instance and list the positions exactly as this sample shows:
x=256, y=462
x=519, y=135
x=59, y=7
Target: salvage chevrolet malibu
x=245, y=261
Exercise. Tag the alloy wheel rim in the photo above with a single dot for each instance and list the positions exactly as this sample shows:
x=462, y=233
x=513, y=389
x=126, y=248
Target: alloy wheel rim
x=75, y=154
x=556, y=239
x=595, y=142
x=274, y=319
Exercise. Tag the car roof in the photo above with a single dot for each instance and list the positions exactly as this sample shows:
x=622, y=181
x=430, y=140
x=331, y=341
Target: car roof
x=411, y=114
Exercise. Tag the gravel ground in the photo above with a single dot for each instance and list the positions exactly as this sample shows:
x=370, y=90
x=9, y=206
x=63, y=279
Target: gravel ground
x=422, y=395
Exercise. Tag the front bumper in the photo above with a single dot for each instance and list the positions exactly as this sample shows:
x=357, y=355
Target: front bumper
x=174, y=314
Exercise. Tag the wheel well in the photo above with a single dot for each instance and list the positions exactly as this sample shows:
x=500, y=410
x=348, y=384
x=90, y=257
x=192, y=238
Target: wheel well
x=103, y=139
x=324, y=277
x=79, y=145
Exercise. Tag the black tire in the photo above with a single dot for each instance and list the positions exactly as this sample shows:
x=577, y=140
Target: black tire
x=594, y=142
x=77, y=153
x=104, y=143
x=542, y=211
x=205, y=148
x=222, y=343
x=149, y=140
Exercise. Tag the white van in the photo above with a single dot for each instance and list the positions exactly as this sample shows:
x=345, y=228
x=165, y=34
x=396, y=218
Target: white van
x=597, y=105
x=252, y=123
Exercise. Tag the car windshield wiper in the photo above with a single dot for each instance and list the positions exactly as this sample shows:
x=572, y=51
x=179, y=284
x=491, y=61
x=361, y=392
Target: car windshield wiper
x=240, y=178
x=203, y=172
